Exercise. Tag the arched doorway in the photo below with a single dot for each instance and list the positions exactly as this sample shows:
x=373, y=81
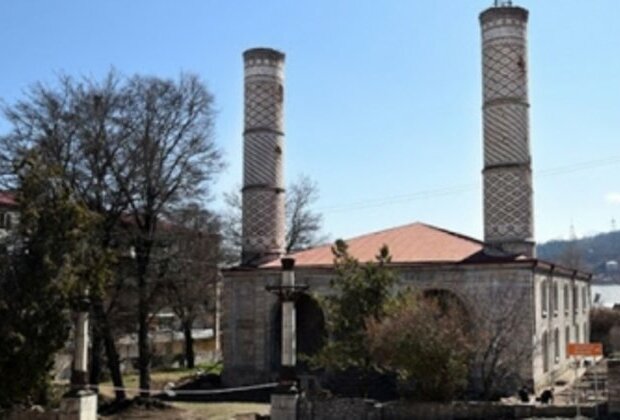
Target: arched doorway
x=311, y=333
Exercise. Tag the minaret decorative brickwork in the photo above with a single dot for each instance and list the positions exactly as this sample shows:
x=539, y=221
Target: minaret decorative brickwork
x=508, y=206
x=263, y=142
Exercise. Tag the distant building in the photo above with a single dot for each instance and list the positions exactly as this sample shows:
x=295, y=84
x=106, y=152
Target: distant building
x=9, y=215
x=488, y=279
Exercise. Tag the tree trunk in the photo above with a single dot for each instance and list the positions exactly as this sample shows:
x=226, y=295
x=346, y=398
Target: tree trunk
x=144, y=356
x=110, y=348
x=96, y=356
x=189, y=344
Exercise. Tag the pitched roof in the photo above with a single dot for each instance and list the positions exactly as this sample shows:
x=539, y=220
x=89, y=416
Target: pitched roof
x=413, y=243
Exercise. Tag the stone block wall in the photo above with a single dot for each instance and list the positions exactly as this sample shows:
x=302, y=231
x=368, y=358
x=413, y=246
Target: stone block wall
x=613, y=386
x=557, y=314
x=356, y=408
x=249, y=310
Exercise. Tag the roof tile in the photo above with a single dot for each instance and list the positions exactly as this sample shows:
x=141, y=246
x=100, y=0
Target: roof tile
x=413, y=243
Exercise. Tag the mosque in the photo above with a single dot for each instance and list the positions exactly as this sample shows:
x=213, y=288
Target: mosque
x=527, y=307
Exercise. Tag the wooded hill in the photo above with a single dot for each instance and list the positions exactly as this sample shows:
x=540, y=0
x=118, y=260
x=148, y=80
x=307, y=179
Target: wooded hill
x=590, y=253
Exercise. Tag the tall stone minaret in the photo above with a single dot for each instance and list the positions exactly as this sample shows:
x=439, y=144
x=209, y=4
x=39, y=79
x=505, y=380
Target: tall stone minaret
x=263, y=142
x=508, y=206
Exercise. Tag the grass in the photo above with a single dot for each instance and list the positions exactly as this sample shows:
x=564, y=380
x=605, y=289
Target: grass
x=159, y=378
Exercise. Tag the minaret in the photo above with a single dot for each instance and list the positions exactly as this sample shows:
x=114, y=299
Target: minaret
x=263, y=142
x=508, y=206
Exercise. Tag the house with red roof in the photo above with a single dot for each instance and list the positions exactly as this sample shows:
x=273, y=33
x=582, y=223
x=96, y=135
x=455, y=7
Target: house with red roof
x=8, y=212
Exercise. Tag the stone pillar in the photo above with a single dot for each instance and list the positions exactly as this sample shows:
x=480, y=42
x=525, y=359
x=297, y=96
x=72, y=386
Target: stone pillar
x=508, y=204
x=289, y=357
x=80, y=358
x=80, y=403
x=285, y=399
x=263, y=142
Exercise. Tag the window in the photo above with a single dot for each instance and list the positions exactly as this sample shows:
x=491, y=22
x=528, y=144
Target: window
x=577, y=338
x=556, y=299
x=584, y=299
x=575, y=299
x=566, y=340
x=545, y=352
x=543, y=298
x=586, y=339
x=566, y=300
x=556, y=346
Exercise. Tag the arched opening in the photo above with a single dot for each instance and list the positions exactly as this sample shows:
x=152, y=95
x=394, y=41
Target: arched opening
x=449, y=302
x=310, y=335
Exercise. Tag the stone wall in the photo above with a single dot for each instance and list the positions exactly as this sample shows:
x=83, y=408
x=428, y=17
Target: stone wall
x=355, y=408
x=338, y=409
x=247, y=328
x=613, y=386
x=556, y=313
x=486, y=291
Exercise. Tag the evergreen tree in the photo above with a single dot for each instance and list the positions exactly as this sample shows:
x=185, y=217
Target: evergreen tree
x=363, y=292
x=42, y=270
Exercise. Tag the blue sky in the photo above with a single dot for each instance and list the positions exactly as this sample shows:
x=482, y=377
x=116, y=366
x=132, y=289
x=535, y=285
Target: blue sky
x=383, y=99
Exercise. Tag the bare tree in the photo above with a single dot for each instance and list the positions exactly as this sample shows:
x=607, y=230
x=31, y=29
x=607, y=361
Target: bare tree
x=131, y=149
x=171, y=156
x=74, y=126
x=192, y=268
x=502, y=339
x=231, y=227
x=303, y=224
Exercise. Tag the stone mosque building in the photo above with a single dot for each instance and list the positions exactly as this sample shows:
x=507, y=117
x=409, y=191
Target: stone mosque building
x=513, y=299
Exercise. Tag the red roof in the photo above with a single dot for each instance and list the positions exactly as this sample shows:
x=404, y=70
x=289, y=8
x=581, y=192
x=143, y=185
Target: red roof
x=7, y=199
x=413, y=243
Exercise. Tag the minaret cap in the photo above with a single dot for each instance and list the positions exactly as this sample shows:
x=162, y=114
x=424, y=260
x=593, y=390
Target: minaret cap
x=262, y=52
x=496, y=12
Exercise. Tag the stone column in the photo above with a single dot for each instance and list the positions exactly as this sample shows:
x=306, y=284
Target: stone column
x=80, y=403
x=289, y=356
x=80, y=358
x=284, y=400
x=263, y=143
x=508, y=204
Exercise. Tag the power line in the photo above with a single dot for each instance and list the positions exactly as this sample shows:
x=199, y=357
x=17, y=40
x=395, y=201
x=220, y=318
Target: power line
x=461, y=188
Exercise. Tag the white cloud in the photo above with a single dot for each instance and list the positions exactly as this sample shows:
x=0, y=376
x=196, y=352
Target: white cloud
x=613, y=197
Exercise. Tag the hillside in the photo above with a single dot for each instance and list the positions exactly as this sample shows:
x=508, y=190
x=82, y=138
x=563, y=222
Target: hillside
x=590, y=253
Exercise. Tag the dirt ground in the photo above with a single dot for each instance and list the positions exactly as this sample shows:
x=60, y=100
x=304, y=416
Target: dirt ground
x=192, y=411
